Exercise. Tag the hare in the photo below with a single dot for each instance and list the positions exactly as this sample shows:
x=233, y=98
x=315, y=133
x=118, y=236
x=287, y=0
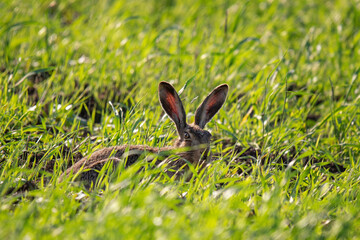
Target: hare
x=193, y=141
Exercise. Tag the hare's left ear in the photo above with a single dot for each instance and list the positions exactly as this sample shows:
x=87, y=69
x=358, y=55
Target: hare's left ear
x=211, y=105
x=171, y=103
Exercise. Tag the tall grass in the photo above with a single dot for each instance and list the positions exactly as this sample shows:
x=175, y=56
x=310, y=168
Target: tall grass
x=76, y=76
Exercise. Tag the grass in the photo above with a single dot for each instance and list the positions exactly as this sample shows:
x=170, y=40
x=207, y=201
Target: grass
x=287, y=139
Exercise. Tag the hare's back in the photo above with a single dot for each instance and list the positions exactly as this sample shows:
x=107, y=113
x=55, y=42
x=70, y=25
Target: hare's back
x=92, y=164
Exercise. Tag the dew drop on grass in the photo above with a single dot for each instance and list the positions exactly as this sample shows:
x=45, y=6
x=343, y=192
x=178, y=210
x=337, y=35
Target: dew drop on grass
x=42, y=31
x=80, y=195
x=27, y=237
x=31, y=109
x=157, y=221
x=68, y=107
x=113, y=207
x=266, y=196
x=123, y=42
x=82, y=59
x=229, y=193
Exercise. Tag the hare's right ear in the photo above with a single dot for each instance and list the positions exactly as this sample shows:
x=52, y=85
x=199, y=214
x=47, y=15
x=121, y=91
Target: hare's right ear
x=171, y=103
x=211, y=105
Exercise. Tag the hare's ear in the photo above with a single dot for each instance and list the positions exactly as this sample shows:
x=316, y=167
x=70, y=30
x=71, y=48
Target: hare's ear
x=211, y=105
x=172, y=105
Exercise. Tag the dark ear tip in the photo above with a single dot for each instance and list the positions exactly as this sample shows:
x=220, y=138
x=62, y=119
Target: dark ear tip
x=164, y=84
x=223, y=87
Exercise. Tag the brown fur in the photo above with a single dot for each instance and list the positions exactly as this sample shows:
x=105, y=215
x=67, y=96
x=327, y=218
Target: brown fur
x=199, y=142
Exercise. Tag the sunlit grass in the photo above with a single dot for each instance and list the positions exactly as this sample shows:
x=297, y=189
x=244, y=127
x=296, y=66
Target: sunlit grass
x=76, y=76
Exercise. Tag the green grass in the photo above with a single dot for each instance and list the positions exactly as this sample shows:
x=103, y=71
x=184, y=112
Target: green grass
x=292, y=68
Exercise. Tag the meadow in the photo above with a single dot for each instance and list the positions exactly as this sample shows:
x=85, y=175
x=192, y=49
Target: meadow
x=76, y=76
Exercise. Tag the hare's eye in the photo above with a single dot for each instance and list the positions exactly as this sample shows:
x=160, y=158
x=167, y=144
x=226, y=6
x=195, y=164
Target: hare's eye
x=187, y=135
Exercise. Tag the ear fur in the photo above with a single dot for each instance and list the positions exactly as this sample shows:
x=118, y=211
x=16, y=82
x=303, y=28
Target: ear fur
x=211, y=105
x=172, y=105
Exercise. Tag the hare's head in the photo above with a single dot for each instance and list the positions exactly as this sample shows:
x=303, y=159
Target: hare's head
x=192, y=136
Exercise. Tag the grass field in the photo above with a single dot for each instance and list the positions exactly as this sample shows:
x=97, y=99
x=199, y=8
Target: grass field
x=76, y=76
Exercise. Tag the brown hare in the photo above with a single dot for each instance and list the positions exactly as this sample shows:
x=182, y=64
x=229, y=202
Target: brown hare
x=193, y=141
